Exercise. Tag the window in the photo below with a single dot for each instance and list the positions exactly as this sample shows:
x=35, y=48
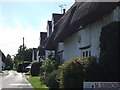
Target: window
x=86, y=53
x=83, y=54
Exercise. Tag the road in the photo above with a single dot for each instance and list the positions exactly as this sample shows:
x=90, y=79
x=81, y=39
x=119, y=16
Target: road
x=15, y=81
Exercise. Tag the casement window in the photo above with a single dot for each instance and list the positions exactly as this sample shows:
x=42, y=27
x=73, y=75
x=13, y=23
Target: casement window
x=86, y=53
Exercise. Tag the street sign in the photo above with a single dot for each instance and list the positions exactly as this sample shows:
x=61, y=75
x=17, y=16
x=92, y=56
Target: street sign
x=101, y=86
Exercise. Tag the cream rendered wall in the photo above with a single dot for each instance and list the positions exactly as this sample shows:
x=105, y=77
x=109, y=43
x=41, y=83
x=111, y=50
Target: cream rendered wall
x=89, y=35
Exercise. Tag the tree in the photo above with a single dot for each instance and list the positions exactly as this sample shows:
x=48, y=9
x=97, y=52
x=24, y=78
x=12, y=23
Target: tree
x=9, y=61
x=23, y=54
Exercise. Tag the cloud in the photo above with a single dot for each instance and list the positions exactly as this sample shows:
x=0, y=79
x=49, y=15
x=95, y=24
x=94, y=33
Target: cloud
x=11, y=37
x=43, y=25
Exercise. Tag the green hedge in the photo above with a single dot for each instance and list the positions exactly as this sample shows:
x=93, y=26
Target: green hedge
x=74, y=72
x=20, y=68
x=35, y=68
x=93, y=71
x=110, y=51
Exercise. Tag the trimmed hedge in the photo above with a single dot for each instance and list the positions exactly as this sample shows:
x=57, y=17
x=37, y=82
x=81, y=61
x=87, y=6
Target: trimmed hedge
x=110, y=51
x=20, y=68
x=74, y=72
x=35, y=68
x=93, y=72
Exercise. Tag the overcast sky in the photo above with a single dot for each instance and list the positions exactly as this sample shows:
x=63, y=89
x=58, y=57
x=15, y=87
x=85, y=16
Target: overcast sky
x=25, y=19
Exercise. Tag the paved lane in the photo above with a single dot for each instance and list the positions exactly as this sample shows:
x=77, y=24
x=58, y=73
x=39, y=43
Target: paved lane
x=15, y=81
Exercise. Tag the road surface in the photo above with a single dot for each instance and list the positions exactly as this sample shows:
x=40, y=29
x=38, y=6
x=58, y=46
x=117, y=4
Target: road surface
x=15, y=81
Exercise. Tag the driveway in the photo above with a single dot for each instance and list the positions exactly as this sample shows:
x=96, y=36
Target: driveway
x=15, y=81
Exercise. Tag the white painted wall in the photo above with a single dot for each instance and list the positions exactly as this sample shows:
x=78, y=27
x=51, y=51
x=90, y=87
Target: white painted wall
x=89, y=35
x=60, y=50
x=32, y=55
x=71, y=49
x=37, y=56
x=60, y=47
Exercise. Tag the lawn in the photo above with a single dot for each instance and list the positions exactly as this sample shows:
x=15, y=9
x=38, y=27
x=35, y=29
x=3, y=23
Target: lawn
x=35, y=82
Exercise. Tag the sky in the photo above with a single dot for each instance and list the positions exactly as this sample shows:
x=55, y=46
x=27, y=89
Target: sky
x=25, y=19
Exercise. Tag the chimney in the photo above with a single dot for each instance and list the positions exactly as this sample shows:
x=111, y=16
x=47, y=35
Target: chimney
x=63, y=11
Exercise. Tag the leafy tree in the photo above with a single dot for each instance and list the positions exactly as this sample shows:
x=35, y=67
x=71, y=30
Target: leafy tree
x=9, y=61
x=24, y=54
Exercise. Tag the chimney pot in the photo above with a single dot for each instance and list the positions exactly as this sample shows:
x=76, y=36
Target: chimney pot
x=63, y=11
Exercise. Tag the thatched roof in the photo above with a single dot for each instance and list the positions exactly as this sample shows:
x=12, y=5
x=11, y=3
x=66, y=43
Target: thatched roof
x=81, y=14
x=90, y=12
x=50, y=44
x=64, y=24
x=42, y=46
x=56, y=17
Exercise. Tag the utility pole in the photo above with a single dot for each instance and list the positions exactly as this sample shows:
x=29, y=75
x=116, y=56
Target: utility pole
x=62, y=6
x=23, y=44
x=23, y=56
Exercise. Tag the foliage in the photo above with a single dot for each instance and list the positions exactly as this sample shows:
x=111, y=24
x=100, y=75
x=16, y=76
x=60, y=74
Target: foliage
x=20, y=68
x=48, y=72
x=93, y=71
x=35, y=68
x=51, y=80
x=110, y=50
x=49, y=65
x=9, y=61
x=23, y=54
x=72, y=73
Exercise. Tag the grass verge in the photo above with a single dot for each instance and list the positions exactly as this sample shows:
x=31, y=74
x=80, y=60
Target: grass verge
x=35, y=82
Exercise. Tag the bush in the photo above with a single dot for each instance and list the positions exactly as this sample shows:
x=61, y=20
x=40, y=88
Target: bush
x=35, y=68
x=49, y=65
x=20, y=68
x=48, y=72
x=51, y=80
x=72, y=73
x=110, y=51
x=93, y=71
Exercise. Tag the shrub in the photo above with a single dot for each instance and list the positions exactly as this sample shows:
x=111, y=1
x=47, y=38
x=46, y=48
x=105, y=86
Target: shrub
x=49, y=65
x=51, y=80
x=35, y=68
x=110, y=50
x=48, y=72
x=93, y=71
x=20, y=68
x=72, y=73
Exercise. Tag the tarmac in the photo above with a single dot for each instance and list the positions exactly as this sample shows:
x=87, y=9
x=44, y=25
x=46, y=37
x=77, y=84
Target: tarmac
x=4, y=73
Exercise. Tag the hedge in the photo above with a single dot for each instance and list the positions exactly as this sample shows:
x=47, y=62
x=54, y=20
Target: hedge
x=35, y=68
